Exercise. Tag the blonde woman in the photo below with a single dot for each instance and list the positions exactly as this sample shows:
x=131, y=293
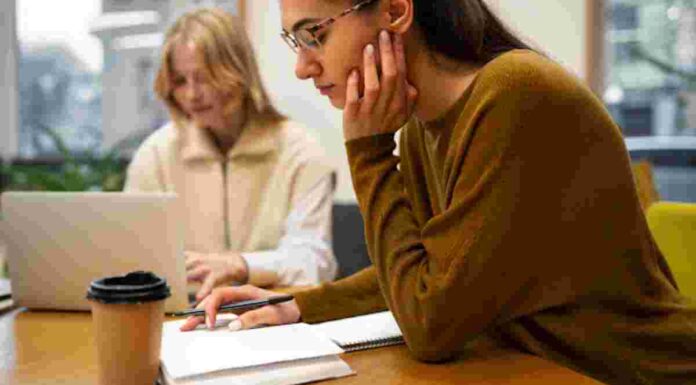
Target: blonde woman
x=254, y=188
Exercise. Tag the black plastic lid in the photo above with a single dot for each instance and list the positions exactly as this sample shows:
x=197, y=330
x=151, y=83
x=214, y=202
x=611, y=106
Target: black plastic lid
x=135, y=287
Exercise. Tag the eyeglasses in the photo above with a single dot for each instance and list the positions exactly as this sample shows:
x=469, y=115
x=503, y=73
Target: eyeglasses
x=307, y=37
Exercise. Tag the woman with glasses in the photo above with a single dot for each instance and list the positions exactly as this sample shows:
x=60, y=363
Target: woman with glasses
x=510, y=214
x=255, y=190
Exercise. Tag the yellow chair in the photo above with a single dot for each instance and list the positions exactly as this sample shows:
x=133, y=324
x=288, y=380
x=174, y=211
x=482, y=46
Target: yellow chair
x=673, y=226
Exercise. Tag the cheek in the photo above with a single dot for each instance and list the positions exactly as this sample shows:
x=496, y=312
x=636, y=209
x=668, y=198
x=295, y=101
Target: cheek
x=229, y=103
x=180, y=100
x=352, y=56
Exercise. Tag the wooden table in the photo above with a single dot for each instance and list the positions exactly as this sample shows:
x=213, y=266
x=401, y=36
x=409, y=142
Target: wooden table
x=58, y=348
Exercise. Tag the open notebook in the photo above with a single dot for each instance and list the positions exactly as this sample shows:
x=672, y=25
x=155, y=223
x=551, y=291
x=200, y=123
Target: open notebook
x=278, y=355
x=363, y=332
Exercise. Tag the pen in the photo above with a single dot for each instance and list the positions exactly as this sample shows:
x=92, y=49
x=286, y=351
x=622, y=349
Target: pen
x=239, y=305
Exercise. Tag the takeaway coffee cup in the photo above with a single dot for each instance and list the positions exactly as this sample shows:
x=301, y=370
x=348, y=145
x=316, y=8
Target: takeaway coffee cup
x=127, y=316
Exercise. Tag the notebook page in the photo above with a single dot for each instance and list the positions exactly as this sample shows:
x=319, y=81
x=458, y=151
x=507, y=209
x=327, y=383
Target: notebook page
x=204, y=351
x=364, y=328
x=283, y=373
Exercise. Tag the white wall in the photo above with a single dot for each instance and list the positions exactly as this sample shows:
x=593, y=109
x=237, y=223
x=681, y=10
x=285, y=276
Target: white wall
x=9, y=107
x=298, y=99
x=555, y=26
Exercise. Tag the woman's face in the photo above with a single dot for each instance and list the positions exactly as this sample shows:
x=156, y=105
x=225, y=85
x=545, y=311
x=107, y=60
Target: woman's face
x=195, y=94
x=342, y=43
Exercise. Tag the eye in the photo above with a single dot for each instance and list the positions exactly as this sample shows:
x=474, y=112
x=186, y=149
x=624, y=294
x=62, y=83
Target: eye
x=306, y=38
x=321, y=36
x=178, y=80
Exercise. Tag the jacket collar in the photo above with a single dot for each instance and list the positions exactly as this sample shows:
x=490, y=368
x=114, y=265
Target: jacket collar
x=256, y=140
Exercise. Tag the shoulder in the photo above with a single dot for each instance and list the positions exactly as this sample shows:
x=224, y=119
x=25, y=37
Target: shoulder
x=160, y=142
x=295, y=138
x=162, y=138
x=525, y=73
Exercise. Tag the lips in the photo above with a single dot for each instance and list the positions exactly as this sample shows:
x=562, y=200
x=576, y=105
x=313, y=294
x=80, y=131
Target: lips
x=325, y=89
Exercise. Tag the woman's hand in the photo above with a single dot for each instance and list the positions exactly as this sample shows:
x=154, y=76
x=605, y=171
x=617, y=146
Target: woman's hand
x=282, y=313
x=214, y=269
x=387, y=101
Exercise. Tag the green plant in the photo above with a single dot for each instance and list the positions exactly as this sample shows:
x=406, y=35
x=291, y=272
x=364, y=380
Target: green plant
x=95, y=170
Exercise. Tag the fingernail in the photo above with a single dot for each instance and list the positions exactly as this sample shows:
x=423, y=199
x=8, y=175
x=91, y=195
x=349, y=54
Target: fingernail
x=234, y=325
x=384, y=36
x=369, y=49
x=209, y=322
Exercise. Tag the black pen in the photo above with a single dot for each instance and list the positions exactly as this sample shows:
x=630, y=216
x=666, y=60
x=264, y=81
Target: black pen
x=239, y=305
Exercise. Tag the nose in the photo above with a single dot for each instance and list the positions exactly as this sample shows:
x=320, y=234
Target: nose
x=306, y=66
x=193, y=91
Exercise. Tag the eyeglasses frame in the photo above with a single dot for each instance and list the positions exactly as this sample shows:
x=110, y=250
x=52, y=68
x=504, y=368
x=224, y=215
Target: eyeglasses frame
x=295, y=44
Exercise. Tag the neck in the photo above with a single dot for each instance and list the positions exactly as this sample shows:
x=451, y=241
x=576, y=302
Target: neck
x=439, y=84
x=226, y=136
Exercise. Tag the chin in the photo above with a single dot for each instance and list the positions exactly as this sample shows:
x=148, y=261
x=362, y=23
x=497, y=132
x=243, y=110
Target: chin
x=338, y=103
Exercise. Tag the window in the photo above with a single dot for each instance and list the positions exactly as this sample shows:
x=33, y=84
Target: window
x=649, y=86
x=59, y=77
x=650, y=82
x=624, y=16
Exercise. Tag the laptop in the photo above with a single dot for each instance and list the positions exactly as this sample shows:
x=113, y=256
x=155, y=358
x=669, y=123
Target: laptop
x=57, y=243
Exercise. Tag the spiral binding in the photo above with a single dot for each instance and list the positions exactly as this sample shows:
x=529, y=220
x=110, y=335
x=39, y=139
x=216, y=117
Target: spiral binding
x=369, y=344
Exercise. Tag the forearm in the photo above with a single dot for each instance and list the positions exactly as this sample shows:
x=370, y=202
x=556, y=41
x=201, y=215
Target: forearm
x=350, y=296
x=393, y=237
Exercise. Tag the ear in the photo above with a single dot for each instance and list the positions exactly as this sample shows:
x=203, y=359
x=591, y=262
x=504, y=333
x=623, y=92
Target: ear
x=400, y=15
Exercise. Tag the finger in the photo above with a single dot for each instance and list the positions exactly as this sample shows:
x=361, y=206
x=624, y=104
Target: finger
x=230, y=294
x=371, y=80
x=389, y=70
x=267, y=315
x=206, y=287
x=242, y=293
x=192, y=261
x=191, y=323
x=352, y=94
x=197, y=274
x=400, y=54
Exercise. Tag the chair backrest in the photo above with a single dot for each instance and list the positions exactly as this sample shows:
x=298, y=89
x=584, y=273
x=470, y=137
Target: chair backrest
x=349, y=239
x=673, y=225
x=645, y=183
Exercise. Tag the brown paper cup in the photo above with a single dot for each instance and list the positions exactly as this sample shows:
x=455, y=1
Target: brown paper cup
x=127, y=315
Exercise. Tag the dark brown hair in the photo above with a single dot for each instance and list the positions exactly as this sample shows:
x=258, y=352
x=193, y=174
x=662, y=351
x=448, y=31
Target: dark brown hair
x=463, y=30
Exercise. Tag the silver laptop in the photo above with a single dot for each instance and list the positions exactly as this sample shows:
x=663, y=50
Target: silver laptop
x=57, y=243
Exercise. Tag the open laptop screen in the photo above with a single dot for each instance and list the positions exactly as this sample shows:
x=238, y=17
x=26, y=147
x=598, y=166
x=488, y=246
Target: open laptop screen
x=57, y=243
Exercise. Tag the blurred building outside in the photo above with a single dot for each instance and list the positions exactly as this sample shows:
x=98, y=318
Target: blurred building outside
x=650, y=85
x=92, y=109
x=651, y=66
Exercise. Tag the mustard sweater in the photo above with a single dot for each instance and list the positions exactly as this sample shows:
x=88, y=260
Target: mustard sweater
x=515, y=216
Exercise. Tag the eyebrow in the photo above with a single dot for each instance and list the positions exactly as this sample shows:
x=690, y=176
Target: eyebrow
x=302, y=22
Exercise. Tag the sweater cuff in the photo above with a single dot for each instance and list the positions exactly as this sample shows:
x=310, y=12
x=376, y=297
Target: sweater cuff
x=350, y=296
x=374, y=144
x=261, y=267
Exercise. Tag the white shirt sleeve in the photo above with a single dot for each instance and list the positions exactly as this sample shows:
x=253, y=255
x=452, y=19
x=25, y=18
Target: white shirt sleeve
x=304, y=255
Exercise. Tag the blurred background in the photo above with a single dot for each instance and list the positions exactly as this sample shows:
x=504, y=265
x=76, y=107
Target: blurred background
x=76, y=95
